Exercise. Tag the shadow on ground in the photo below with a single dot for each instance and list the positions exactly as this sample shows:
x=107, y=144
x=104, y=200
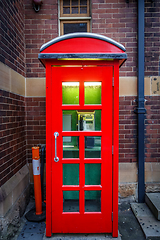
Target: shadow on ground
x=129, y=227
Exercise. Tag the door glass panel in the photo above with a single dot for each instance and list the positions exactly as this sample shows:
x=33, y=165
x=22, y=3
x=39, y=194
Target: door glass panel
x=70, y=147
x=70, y=201
x=92, y=147
x=70, y=174
x=92, y=92
x=93, y=174
x=82, y=121
x=70, y=93
x=92, y=201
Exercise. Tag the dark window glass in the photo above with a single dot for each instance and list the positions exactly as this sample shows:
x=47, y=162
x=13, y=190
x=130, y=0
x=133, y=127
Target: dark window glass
x=66, y=10
x=75, y=27
x=74, y=2
x=83, y=2
x=83, y=10
x=74, y=10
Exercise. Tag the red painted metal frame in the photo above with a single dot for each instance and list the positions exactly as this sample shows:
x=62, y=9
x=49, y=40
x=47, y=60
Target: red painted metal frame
x=115, y=148
x=53, y=111
x=82, y=222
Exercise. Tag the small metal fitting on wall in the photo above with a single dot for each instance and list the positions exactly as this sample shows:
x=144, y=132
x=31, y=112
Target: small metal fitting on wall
x=37, y=5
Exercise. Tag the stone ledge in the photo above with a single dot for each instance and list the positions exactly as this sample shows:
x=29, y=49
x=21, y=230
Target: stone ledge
x=14, y=197
x=12, y=189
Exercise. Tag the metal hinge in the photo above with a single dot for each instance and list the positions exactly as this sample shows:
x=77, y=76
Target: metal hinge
x=112, y=216
x=112, y=149
x=112, y=81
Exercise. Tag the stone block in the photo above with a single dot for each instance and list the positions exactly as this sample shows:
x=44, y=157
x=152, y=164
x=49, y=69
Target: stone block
x=127, y=190
x=14, y=197
x=127, y=172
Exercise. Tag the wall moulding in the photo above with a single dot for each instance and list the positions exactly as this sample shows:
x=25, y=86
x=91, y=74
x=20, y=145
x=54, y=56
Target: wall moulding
x=11, y=81
x=35, y=87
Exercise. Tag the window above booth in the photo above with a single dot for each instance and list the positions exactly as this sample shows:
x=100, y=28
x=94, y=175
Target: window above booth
x=74, y=16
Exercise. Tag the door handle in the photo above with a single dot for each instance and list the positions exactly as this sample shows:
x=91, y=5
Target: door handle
x=56, y=134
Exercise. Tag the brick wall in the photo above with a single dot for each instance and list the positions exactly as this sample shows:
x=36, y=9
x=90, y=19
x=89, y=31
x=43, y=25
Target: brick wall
x=152, y=131
x=12, y=119
x=127, y=129
x=152, y=37
x=12, y=135
x=118, y=20
x=40, y=28
x=35, y=124
x=12, y=47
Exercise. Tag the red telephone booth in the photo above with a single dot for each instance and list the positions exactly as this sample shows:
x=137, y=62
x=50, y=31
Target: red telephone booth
x=82, y=118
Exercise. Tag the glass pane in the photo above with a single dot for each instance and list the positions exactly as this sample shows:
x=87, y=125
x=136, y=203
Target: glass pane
x=92, y=201
x=70, y=120
x=92, y=147
x=83, y=10
x=66, y=2
x=74, y=120
x=70, y=201
x=83, y=2
x=70, y=147
x=74, y=10
x=70, y=93
x=74, y=2
x=66, y=10
x=92, y=92
x=92, y=174
x=70, y=174
x=74, y=27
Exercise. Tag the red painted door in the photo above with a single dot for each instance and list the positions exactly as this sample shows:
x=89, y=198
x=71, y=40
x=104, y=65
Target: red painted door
x=81, y=198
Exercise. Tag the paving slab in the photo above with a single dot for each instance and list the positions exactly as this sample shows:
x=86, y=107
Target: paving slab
x=153, y=202
x=82, y=237
x=32, y=231
x=149, y=224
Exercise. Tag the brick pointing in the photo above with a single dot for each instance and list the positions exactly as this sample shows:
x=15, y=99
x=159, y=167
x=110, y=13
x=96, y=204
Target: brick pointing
x=152, y=131
x=12, y=47
x=35, y=124
x=152, y=37
x=127, y=130
x=40, y=28
x=118, y=20
x=12, y=135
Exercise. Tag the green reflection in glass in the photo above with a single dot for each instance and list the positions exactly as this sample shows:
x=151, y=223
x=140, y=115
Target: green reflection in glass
x=70, y=93
x=70, y=147
x=92, y=92
x=93, y=174
x=92, y=147
x=70, y=120
x=70, y=174
x=82, y=121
